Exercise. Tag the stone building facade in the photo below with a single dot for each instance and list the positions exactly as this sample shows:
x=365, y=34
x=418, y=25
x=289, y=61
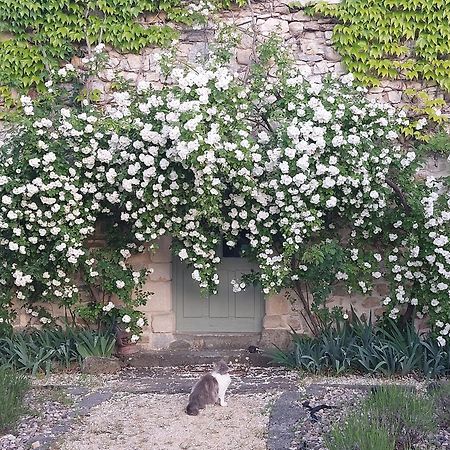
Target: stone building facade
x=310, y=39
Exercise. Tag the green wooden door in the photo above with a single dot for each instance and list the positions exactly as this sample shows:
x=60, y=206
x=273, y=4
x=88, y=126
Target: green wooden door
x=227, y=311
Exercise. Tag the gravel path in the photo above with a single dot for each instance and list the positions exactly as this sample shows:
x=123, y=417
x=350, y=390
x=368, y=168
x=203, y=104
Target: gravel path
x=158, y=422
x=143, y=409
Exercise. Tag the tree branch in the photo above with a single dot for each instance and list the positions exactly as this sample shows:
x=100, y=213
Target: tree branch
x=399, y=193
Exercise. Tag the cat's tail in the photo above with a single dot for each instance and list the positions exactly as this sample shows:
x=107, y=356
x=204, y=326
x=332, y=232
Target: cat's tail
x=192, y=409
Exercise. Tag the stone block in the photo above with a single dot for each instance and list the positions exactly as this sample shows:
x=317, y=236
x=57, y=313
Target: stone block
x=275, y=321
x=296, y=28
x=320, y=68
x=95, y=365
x=312, y=47
x=436, y=167
x=371, y=302
x=301, y=17
x=273, y=25
x=160, y=272
x=312, y=25
x=331, y=55
x=161, y=300
x=277, y=304
x=129, y=76
x=244, y=57
x=340, y=69
x=163, y=323
x=134, y=62
x=280, y=338
x=164, y=252
x=141, y=261
x=160, y=340
x=382, y=289
x=394, y=97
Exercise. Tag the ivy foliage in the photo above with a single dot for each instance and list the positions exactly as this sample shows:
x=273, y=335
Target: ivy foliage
x=36, y=34
x=392, y=38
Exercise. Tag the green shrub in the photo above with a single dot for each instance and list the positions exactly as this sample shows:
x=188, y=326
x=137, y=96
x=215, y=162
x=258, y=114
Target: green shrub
x=405, y=414
x=362, y=347
x=359, y=432
x=441, y=396
x=34, y=351
x=392, y=417
x=92, y=344
x=13, y=387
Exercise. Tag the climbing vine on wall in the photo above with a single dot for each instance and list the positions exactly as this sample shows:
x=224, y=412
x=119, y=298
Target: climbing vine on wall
x=393, y=38
x=35, y=35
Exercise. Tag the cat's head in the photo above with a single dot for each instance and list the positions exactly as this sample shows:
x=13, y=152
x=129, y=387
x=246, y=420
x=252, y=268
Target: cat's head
x=221, y=367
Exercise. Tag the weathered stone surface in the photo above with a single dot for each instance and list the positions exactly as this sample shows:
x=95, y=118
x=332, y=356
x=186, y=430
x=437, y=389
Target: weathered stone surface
x=274, y=321
x=331, y=55
x=301, y=17
x=309, y=58
x=279, y=337
x=135, y=62
x=272, y=25
x=371, y=302
x=312, y=26
x=320, y=68
x=312, y=47
x=160, y=272
x=244, y=56
x=296, y=28
x=394, y=97
x=95, y=365
x=163, y=323
x=164, y=252
x=277, y=305
x=161, y=300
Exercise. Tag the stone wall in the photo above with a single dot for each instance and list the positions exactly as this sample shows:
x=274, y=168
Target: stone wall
x=310, y=39
x=160, y=308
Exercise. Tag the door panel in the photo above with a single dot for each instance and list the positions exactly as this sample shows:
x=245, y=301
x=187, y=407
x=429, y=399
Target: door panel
x=227, y=311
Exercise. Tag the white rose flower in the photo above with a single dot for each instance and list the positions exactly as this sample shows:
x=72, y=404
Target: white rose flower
x=126, y=318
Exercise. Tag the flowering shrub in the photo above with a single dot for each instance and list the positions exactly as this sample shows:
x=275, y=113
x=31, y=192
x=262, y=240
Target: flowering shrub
x=312, y=175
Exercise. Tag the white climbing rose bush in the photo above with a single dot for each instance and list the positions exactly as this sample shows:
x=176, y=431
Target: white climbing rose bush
x=311, y=177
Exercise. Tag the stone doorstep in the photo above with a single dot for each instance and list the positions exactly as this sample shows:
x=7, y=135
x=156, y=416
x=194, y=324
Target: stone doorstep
x=176, y=358
x=215, y=341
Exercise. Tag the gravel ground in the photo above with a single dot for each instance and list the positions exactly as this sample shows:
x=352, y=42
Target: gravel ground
x=343, y=396
x=158, y=422
x=44, y=409
x=143, y=409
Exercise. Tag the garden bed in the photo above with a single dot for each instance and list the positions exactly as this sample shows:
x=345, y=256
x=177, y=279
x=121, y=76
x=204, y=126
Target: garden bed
x=314, y=428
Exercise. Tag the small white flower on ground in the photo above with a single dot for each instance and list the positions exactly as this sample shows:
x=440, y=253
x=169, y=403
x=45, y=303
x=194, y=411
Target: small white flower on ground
x=120, y=284
x=126, y=318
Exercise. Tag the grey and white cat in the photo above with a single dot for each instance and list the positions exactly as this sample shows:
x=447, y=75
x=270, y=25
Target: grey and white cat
x=210, y=389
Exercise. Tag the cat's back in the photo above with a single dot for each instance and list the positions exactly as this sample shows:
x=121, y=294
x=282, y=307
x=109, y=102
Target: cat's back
x=206, y=389
x=204, y=392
